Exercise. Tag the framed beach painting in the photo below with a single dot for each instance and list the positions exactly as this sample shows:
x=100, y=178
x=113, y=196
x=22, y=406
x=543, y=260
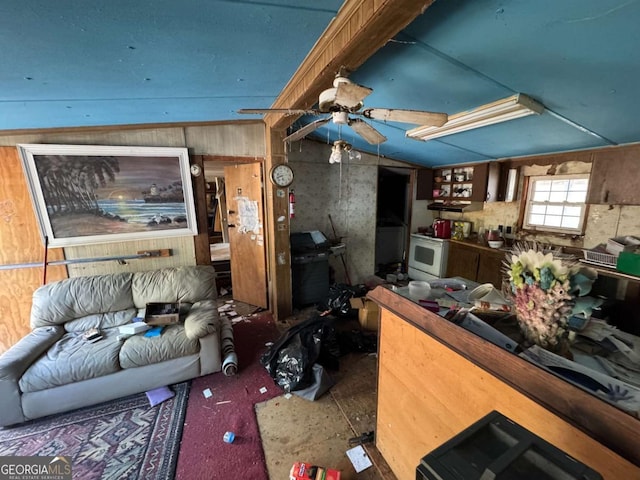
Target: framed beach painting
x=86, y=194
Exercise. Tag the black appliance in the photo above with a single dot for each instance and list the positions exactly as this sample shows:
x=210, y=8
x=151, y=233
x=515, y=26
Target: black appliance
x=310, y=253
x=497, y=447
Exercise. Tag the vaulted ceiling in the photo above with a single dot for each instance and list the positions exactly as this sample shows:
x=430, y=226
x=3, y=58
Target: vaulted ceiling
x=77, y=64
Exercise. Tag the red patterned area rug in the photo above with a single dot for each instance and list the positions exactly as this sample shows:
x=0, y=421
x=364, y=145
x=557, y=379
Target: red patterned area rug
x=230, y=407
x=121, y=439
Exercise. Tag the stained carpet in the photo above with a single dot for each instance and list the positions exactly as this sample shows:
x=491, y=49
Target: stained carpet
x=124, y=438
x=318, y=432
x=204, y=454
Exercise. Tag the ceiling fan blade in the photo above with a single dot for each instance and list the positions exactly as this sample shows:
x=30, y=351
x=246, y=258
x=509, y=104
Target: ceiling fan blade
x=306, y=130
x=285, y=111
x=417, y=117
x=351, y=94
x=366, y=131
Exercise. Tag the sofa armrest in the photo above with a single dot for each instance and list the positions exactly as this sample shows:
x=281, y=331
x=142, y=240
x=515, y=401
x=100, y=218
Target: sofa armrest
x=202, y=319
x=210, y=357
x=14, y=362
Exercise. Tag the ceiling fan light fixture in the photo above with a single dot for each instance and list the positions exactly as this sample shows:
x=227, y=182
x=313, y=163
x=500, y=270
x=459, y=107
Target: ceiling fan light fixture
x=510, y=108
x=337, y=150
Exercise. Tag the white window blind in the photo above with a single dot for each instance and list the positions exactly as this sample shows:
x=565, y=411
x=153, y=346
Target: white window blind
x=556, y=204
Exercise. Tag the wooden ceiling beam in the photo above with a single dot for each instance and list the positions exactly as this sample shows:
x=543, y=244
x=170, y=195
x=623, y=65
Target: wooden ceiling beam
x=360, y=28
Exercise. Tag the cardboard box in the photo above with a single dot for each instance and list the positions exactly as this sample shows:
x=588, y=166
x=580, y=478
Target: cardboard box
x=162, y=314
x=367, y=312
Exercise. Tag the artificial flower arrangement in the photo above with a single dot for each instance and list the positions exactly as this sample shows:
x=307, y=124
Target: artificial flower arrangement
x=544, y=284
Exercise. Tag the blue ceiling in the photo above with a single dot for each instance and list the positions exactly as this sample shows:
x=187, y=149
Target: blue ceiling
x=71, y=63
x=78, y=63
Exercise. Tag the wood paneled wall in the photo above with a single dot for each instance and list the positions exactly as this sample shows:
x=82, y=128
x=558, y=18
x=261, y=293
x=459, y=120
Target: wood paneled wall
x=20, y=242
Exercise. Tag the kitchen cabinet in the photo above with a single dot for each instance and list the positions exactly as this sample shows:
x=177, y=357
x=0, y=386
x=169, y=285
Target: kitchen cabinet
x=462, y=261
x=490, y=267
x=475, y=262
x=424, y=184
x=613, y=179
x=465, y=182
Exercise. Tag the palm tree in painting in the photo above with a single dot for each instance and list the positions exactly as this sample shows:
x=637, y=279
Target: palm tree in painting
x=69, y=183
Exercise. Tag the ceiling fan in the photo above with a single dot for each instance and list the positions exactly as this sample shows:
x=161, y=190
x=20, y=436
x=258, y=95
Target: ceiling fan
x=344, y=103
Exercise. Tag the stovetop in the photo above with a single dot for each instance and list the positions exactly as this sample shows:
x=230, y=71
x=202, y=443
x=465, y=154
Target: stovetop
x=429, y=237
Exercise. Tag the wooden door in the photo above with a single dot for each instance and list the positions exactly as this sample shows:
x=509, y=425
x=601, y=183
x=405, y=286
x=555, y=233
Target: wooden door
x=245, y=215
x=20, y=243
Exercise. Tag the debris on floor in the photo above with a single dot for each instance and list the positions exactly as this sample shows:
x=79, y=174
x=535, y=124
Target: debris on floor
x=359, y=458
x=306, y=471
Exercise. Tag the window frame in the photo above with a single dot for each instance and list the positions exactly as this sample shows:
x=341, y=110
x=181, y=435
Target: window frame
x=544, y=228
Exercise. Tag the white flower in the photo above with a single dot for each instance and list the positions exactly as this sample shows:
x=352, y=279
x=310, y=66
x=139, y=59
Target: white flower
x=533, y=260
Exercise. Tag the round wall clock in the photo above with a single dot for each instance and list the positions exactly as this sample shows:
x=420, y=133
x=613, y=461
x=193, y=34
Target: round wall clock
x=282, y=175
x=196, y=170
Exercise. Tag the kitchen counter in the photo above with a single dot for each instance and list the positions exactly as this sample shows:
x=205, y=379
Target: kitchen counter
x=435, y=379
x=481, y=246
x=483, y=264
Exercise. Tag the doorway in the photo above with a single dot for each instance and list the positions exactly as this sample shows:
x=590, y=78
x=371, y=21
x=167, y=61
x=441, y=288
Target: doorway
x=393, y=214
x=236, y=233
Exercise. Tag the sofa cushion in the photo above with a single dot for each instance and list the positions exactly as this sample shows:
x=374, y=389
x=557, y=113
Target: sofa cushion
x=180, y=284
x=138, y=350
x=202, y=319
x=77, y=297
x=101, y=320
x=73, y=359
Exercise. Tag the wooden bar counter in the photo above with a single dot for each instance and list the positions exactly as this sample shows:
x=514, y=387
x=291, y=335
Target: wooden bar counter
x=435, y=379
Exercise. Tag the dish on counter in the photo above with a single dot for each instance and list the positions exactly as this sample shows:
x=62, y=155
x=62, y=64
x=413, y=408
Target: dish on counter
x=419, y=289
x=449, y=285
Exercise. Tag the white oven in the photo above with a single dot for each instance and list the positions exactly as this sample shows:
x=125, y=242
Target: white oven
x=427, y=257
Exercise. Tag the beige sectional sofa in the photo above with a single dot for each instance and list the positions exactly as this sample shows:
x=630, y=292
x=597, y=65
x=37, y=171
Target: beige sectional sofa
x=54, y=369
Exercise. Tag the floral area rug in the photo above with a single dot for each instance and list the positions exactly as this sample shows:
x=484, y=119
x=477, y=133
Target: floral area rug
x=121, y=439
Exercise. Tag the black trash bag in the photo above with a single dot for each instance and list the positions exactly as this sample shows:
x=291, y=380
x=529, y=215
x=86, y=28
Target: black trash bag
x=321, y=383
x=357, y=341
x=292, y=365
x=338, y=299
x=290, y=360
